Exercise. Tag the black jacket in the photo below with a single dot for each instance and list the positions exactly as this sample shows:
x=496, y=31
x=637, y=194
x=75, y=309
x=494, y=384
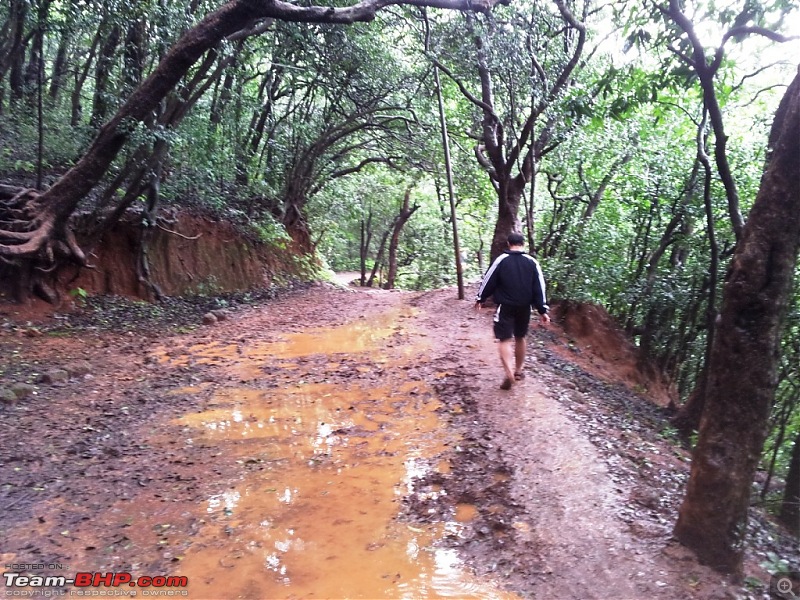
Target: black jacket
x=515, y=279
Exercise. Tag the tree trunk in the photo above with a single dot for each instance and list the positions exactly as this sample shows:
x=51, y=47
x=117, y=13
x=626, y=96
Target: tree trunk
x=450, y=187
x=223, y=99
x=780, y=424
x=509, y=198
x=742, y=373
x=688, y=418
x=790, y=507
x=13, y=60
x=379, y=257
x=33, y=72
x=102, y=74
x=706, y=71
x=366, y=239
x=501, y=158
x=44, y=233
x=60, y=64
x=249, y=149
x=399, y=222
x=133, y=53
x=448, y=167
x=80, y=79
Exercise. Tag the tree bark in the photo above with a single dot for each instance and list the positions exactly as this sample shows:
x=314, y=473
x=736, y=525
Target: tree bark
x=102, y=74
x=399, y=222
x=80, y=79
x=742, y=372
x=12, y=60
x=509, y=197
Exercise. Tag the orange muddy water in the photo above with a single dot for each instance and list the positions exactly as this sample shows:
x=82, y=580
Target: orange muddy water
x=316, y=513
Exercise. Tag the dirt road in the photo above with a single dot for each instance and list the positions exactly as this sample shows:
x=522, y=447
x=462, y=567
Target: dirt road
x=339, y=443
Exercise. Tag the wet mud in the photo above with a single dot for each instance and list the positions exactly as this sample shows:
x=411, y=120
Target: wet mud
x=341, y=443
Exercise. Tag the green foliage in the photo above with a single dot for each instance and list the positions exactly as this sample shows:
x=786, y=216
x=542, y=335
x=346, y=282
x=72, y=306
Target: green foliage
x=775, y=564
x=620, y=91
x=271, y=232
x=207, y=287
x=19, y=141
x=80, y=295
x=753, y=583
x=427, y=254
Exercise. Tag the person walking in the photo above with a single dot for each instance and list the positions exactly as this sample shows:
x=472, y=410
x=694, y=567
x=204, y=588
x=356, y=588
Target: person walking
x=515, y=282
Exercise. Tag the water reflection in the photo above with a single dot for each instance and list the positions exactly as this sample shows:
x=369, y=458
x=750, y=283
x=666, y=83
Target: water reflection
x=225, y=501
x=317, y=518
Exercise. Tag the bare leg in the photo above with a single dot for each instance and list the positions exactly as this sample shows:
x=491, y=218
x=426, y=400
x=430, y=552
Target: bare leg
x=506, y=348
x=519, y=354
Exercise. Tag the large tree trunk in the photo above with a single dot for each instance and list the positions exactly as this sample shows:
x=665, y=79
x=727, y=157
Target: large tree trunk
x=742, y=373
x=509, y=198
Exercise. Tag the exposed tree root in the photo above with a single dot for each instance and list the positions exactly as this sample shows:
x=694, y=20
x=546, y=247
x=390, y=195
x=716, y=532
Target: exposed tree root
x=34, y=243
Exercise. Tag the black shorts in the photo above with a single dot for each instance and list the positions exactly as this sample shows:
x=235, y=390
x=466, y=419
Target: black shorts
x=511, y=321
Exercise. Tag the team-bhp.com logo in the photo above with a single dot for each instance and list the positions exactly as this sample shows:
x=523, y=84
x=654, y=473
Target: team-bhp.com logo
x=30, y=585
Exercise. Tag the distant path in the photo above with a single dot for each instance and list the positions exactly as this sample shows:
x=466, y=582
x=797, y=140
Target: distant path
x=346, y=277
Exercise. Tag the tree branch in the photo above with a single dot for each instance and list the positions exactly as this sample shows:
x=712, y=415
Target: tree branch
x=466, y=93
x=762, y=31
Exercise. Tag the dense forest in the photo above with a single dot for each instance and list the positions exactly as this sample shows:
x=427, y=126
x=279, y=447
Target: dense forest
x=649, y=152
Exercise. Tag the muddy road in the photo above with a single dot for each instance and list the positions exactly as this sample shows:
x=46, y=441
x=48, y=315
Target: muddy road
x=335, y=443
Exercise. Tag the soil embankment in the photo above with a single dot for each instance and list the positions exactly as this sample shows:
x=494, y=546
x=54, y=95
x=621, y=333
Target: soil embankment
x=180, y=253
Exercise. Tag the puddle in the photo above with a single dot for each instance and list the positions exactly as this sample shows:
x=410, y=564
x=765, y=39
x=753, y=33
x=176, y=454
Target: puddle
x=465, y=512
x=324, y=467
x=363, y=335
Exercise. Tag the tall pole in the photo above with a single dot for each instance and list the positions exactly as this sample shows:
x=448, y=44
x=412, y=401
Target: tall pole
x=447, y=162
x=450, y=192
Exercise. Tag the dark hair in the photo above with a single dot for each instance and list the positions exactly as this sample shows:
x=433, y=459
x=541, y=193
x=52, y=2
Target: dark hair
x=515, y=239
